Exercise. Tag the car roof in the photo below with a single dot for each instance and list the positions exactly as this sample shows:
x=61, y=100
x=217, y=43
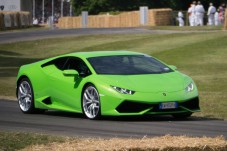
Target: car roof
x=102, y=53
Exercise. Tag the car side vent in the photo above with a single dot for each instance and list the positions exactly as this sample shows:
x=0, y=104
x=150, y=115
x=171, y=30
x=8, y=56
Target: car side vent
x=47, y=101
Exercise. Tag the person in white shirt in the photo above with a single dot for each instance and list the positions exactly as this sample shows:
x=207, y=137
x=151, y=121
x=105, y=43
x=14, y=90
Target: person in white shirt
x=199, y=11
x=210, y=14
x=35, y=21
x=181, y=19
x=191, y=14
x=216, y=18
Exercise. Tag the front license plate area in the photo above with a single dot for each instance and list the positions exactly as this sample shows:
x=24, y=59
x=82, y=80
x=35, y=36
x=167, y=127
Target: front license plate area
x=168, y=105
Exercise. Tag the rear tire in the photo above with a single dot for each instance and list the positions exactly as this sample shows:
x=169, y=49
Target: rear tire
x=91, y=103
x=25, y=97
x=182, y=115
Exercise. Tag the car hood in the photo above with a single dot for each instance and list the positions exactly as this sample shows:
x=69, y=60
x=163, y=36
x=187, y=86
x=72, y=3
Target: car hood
x=166, y=82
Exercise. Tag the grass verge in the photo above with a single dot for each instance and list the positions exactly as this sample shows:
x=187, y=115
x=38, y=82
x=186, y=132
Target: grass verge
x=187, y=28
x=34, y=142
x=14, y=141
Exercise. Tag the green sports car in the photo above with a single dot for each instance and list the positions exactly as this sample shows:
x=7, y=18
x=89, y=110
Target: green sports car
x=112, y=83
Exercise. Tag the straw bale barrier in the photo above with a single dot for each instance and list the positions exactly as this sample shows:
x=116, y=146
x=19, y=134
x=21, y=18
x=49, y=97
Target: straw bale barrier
x=8, y=19
x=156, y=17
x=225, y=25
x=25, y=19
x=164, y=143
x=160, y=17
x=14, y=20
x=1, y=21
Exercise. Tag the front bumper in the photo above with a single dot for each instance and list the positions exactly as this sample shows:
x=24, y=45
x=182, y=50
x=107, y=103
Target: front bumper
x=117, y=104
x=191, y=105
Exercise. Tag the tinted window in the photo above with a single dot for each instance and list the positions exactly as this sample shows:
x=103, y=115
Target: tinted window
x=60, y=62
x=78, y=65
x=127, y=65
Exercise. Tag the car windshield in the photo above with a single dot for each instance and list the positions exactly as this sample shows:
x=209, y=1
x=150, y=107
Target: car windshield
x=128, y=65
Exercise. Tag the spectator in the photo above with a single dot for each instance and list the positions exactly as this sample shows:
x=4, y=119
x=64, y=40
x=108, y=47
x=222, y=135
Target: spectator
x=216, y=18
x=223, y=11
x=221, y=14
x=180, y=19
x=35, y=21
x=199, y=11
x=191, y=14
x=210, y=14
x=48, y=9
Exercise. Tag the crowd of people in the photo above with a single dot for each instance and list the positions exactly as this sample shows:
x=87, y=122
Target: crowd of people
x=196, y=14
x=38, y=18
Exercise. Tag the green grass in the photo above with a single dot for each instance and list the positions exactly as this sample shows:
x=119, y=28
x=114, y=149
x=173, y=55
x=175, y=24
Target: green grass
x=187, y=28
x=200, y=55
x=14, y=141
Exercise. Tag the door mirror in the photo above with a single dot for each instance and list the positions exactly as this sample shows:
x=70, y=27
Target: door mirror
x=173, y=67
x=70, y=73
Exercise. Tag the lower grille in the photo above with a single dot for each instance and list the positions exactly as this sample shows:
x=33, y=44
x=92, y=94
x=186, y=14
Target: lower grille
x=135, y=107
x=130, y=107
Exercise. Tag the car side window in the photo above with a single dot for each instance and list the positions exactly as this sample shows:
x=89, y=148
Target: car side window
x=78, y=65
x=60, y=62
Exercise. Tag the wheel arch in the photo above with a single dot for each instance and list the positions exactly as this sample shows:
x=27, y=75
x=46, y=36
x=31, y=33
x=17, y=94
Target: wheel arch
x=84, y=87
x=21, y=77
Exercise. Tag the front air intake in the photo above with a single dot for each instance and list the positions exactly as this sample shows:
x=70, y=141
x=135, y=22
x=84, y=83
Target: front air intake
x=132, y=107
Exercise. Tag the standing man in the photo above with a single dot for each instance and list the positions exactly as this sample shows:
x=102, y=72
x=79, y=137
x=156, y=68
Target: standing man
x=191, y=14
x=210, y=14
x=199, y=11
x=216, y=18
x=181, y=18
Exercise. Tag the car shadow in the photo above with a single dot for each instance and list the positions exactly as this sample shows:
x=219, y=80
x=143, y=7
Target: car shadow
x=63, y=114
x=156, y=118
x=142, y=118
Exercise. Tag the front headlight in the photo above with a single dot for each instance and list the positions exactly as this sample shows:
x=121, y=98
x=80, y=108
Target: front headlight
x=123, y=91
x=190, y=87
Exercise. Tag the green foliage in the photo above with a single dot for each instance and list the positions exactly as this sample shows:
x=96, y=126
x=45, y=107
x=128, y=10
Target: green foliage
x=97, y=6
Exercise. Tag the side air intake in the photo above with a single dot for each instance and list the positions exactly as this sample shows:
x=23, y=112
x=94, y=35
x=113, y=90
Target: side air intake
x=47, y=101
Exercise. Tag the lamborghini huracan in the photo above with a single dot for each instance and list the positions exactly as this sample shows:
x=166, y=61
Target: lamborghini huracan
x=106, y=83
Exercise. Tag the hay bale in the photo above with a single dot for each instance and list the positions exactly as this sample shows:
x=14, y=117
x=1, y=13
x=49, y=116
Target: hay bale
x=61, y=22
x=160, y=17
x=14, y=19
x=17, y=22
x=2, y=21
x=225, y=24
x=25, y=19
x=69, y=22
x=77, y=22
x=156, y=17
x=7, y=20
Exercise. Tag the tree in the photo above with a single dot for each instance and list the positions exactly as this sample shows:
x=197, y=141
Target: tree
x=97, y=6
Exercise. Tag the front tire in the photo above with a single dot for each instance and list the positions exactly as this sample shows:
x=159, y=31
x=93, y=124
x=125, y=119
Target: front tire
x=25, y=97
x=91, y=103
